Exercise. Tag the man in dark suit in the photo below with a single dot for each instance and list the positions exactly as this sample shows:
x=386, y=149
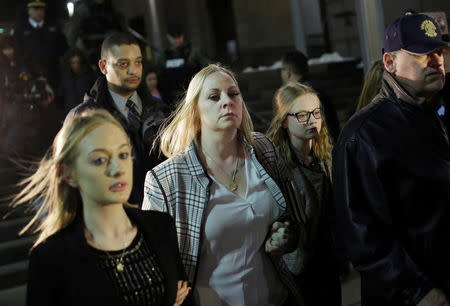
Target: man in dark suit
x=116, y=91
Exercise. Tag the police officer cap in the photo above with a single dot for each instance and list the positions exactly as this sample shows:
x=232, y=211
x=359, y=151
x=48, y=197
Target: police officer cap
x=36, y=4
x=415, y=33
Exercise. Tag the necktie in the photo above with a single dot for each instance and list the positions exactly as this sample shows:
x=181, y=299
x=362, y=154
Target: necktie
x=134, y=119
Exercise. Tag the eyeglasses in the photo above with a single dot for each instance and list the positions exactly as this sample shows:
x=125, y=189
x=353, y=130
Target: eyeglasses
x=304, y=116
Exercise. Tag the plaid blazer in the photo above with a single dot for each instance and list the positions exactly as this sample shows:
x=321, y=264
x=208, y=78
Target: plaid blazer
x=181, y=186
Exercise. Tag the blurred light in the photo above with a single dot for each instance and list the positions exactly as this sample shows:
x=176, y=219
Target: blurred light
x=2, y=31
x=70, y=8
x=441, y=111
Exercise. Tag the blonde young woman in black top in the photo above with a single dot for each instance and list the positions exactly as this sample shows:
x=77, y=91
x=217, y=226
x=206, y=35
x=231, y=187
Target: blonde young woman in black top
x=93, y=247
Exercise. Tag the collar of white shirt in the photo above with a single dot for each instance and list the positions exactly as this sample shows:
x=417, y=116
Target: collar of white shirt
x=35, y=24
x=121, y=102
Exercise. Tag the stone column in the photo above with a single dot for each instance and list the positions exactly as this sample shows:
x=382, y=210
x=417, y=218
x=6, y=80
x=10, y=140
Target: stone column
x=370, y=19
x=298, y=27
x=155, y=23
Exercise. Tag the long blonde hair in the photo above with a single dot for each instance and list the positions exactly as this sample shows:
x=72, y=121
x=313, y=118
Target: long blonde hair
x=283, y=101
x=60, y=203
x=372, y=84
x=183, y=125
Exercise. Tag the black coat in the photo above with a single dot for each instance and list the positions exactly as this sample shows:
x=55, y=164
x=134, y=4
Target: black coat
x=62, y=270
x=319, y=279
x=41, y=49
x=176, y=68
x=446, y=98
x=73, y=87
x=153, y=114
x=328, y=109
x=391, y=174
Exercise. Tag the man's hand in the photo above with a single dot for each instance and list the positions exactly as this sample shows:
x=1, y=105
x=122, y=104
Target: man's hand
x=281, y=240
x=434, y=298
x=182, y=292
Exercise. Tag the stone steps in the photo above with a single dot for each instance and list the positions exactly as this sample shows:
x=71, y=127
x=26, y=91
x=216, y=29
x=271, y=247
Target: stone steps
x=14, y=296
x=15, y=250
x=13, y=274
x=7, y=212
x=10, y=228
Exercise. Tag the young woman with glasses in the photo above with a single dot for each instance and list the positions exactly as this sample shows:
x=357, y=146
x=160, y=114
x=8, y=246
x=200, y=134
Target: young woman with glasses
x=300, y=133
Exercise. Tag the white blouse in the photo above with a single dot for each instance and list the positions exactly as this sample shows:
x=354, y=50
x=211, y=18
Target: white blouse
x=233, y=267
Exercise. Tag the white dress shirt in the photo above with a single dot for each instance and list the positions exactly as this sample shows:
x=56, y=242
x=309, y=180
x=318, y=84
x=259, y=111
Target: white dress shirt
x=121, y=103
x=35, y=24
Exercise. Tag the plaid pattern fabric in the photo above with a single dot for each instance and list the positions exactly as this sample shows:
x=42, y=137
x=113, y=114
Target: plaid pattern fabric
x=180, y=186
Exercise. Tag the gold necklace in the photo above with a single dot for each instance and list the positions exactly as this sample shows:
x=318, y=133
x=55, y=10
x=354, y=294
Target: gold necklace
x=232, y=186
x=119, y=265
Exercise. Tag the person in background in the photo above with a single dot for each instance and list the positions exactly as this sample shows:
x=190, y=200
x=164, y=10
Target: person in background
x=294, y=68
x=93, y=247
x=25, y=103
x=372, y=84
x=178, y=64
x=118, y=92
x=91, y=22
x=151, y=82
x=11, y=67
x=77, y=79
x=300, y=133
x=391, y=174
x=10, y=81
x=42, y=43
x=224, y=187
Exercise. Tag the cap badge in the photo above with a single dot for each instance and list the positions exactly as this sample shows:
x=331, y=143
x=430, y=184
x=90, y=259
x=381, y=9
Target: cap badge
x=429, y=28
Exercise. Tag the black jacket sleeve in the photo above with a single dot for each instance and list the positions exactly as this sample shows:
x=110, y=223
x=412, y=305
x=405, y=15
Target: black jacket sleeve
x=389, y=276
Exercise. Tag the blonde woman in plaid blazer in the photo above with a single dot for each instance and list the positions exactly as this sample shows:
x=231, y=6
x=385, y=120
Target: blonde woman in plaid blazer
x=221, y=185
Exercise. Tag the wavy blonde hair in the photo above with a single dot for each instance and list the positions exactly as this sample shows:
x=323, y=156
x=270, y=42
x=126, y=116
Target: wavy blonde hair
x=284, y=99
x=372, y=84
x=183, y=125
x=61, y=203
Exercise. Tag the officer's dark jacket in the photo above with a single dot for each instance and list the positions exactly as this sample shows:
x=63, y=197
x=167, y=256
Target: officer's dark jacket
x=92, y=22
x=41, y=48
x=446, y=97
x=176, y=67
x=153, y=114
x=391, y=175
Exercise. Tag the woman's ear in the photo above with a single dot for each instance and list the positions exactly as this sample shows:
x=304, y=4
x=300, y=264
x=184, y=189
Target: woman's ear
x=68, y=176
x=284, y=124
